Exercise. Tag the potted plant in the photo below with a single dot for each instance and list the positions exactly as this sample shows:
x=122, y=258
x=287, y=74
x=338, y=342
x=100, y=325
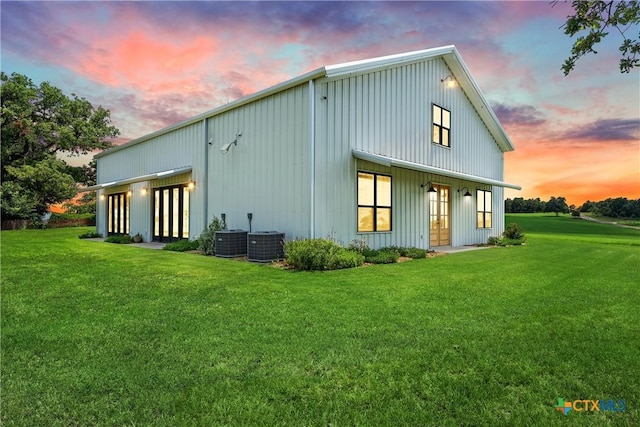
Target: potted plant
x=137, y=238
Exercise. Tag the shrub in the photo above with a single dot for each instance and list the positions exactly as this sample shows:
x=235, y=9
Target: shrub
x=89, y=235
x=382, y=256
x=320, y=254
x=125, y=240
x=415, y=253
x=513, y=231
x=182, y=245
x=207, y=240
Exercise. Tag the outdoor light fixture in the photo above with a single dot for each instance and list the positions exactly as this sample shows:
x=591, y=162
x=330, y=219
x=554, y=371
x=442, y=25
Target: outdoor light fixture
x=225, y=147
x=191, y=185
x=143, y=191
x=431, y=189
x=448, y=81
x=129, y=193
x=102, y=197
x=467, y=194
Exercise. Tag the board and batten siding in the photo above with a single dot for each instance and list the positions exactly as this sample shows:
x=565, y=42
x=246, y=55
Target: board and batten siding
x=181, y=147
x=389, y=112
x=268, y=172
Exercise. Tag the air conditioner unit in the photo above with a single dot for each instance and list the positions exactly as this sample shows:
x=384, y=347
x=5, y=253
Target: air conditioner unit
x=265, y=246
x=231, y=243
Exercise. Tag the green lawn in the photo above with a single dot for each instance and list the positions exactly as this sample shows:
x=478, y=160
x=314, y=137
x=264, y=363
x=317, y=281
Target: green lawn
x=101, y=334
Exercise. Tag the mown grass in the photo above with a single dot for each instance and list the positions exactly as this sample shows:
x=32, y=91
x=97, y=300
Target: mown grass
x=99, y=334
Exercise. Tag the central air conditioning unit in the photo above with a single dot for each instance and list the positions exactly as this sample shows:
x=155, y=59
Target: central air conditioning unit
x=265, y=246
x=231, y=243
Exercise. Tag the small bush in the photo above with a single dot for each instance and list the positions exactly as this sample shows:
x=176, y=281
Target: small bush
x=414, y=253
x=382, y=256
x=320, y=254
x=207, y=240
x=89, y=235
x=494, y=241
x=182, y=245
x=513, y=231
x=124, y=240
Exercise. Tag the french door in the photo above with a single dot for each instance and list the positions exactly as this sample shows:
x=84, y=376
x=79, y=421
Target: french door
x=171, y=213
x=439, y=216
x=117, y=214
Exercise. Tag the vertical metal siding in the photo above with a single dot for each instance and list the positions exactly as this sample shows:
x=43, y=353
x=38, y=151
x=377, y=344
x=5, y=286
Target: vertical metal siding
x=388, y=112
x=268, y=172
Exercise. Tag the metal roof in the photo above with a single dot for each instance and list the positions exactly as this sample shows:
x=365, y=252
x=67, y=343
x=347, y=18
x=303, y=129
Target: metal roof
x=405, y=164
x=449, y=54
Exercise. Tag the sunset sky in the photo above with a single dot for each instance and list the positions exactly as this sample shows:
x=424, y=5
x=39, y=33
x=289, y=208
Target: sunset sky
x=156, y=63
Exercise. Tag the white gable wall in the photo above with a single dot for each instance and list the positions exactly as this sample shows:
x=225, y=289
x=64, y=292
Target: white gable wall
x=388, y=112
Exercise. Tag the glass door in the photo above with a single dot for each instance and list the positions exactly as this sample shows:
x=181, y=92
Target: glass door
x=171, y=213
x=439, y=216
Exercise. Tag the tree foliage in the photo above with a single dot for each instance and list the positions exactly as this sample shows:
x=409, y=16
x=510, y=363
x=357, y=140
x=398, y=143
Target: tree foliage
x=38, y=123
x=557, y=205
x=520, y=205
x=619, y=207
x=598, y=19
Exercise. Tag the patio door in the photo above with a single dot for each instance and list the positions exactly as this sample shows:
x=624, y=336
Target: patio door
x=171, y=213
x=439, y=216
x=117, y=214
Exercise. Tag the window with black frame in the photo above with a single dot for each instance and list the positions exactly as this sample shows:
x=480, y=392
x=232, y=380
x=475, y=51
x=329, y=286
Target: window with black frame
x=441, y=126
x=374, y=202
x=484, y=209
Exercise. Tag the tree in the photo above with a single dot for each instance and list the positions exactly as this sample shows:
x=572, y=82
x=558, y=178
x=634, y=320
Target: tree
x=37, y=123
x=43, y=184
x=557, y=205
x=599, y=18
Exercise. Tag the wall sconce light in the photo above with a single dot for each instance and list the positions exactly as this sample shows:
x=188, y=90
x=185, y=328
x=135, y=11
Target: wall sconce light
x=129, y=193
x=225, y=147
x=449, y=81
x=143, y=191
x=102, y=197
x=191, y=185
x=467, y=194
x=431, y=189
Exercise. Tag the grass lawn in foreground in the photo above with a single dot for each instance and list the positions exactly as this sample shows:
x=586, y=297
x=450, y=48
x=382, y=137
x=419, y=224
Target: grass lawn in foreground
x=102, y=334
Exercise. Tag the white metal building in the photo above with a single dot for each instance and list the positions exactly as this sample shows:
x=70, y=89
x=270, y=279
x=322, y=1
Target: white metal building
x=399, y=150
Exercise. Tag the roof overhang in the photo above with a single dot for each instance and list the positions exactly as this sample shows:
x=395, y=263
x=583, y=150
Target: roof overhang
x=398, y=163
x=156, y=175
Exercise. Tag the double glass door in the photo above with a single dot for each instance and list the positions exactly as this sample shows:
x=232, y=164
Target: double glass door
x=171, y=213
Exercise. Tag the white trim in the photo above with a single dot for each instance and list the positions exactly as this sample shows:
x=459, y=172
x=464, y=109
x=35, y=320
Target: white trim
x=155, y=175
x=405, y=164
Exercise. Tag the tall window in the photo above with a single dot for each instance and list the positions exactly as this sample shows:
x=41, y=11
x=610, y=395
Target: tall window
x=171, y=213
x=484, y=208
x=441, y=126
x=374, y=202
x=118, y=213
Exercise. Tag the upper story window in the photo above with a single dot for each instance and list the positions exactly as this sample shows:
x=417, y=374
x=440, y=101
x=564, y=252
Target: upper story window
x=484, y=208
x=441, y=126
x=374, y=202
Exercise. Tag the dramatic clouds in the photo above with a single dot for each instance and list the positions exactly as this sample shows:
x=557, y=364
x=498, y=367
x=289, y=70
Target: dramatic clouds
x=156, y=63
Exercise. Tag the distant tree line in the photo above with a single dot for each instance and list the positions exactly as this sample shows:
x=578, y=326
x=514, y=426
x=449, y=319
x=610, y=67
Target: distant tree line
x=556, y=205
x=616, y=208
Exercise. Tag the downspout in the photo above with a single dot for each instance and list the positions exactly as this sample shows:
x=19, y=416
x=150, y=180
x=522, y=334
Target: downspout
x=205, y=187
x=312, y=159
